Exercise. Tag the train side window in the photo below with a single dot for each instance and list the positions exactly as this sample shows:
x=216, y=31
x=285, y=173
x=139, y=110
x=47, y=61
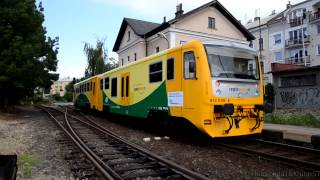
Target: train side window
x=170, y=69
x=122, y=86
x=101, y=83
x=94, y=87
x=106, y=83
x=189, y=65
x=90, y=86
x=127, y=86
x=155, y=72
x=114, y=87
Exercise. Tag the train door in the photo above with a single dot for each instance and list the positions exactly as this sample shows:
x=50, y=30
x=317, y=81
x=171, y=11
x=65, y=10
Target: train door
x=189, y=77
x=125, y=87
x=173, y=82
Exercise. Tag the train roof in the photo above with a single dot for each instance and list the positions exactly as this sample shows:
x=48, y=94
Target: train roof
x=85, y=80
x=231, y=44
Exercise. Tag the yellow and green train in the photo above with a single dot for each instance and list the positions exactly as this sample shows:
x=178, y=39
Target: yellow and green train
x=217, y=86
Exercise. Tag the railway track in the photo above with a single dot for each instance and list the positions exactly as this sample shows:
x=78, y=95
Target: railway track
x=112, y=156
x=306, y=158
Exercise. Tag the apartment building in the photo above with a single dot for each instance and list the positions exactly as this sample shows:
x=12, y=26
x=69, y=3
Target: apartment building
x=137, y=39
x=289, y=37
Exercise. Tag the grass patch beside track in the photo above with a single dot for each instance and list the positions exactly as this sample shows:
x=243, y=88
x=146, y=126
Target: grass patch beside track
x=25, y=163
x=294, y=118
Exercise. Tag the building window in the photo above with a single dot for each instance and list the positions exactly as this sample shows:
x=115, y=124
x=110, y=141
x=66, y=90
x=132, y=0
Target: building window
x=122, y=61
x=278, y=56
x=318, y=48
x=170, y=69
x=129, y=35
x=318, y=28
x=155, y=72
x=298, y=81
x=135, y=56
x=211, y=23
x=261, y=44
x=157, y=49
x=106, y=83
x=114, y=87
x=189, y=65
x=128, y=58
x=277, y=39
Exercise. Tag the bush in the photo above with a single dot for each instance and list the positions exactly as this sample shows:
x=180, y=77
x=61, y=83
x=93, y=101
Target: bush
x=299, y=119
x=68, y=96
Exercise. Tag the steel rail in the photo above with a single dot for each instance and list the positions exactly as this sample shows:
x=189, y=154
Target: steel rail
x=79, y=145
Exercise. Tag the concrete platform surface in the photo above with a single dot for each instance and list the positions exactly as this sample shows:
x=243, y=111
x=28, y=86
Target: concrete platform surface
x=295, y=133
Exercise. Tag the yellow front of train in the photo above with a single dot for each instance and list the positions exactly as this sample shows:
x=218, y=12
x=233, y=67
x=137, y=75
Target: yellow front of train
x=236, y=105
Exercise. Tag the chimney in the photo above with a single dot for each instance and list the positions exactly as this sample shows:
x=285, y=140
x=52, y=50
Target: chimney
x=164, y=19
x=179, y=11
x=256, y=18
x=273, y=12
x=288, y=5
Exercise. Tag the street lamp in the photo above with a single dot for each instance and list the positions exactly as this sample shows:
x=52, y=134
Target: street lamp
x=161, y=35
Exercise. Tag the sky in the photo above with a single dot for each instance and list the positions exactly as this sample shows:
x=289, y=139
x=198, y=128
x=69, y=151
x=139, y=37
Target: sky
x=78, y=21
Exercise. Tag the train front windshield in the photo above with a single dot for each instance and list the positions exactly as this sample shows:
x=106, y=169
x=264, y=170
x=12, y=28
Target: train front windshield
x=226, y=62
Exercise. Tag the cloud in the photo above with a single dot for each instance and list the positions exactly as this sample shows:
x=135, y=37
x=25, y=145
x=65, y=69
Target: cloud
x=241, y=9
x=154, y=8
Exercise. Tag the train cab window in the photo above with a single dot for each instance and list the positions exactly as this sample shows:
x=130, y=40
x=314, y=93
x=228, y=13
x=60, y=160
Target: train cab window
x=114, y=87
x=170, y=69
x=106, y=83
x=189, y=65
x=101, y=83
x=155, y=72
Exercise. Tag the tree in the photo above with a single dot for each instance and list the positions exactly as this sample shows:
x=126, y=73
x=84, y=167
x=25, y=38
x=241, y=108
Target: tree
x=27, y=55
x=111, y=64
x=96, y=57
x=69, y=91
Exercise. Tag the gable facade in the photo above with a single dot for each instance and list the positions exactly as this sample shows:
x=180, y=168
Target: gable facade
x=190, y=26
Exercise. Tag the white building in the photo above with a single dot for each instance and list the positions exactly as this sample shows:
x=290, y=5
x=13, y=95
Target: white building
x=59, y=87
x=137, y=39
x=289, y=37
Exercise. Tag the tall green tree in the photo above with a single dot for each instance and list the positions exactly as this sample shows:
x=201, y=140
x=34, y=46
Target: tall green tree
x=96, y=57
x=27, y=55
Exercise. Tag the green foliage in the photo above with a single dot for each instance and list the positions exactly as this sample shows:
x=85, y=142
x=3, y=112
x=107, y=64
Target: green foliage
x=69, y=91
x=111, y=64
x=269, y=93
x=299, y=119
x=26, y=54
x=25, y=164
x=96, y=57
x=57, y=97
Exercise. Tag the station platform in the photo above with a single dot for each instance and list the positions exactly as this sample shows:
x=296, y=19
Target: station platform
x=279, y=132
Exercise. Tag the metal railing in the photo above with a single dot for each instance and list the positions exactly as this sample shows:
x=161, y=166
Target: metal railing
x=298, y=60
x=315, y=16
x=298, y=41
x=296, y=22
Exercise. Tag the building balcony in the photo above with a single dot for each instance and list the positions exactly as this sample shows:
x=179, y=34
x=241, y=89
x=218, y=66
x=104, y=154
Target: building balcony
x=296, y=22
x=290, y=43
x=299, y=60
x=314, y=17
